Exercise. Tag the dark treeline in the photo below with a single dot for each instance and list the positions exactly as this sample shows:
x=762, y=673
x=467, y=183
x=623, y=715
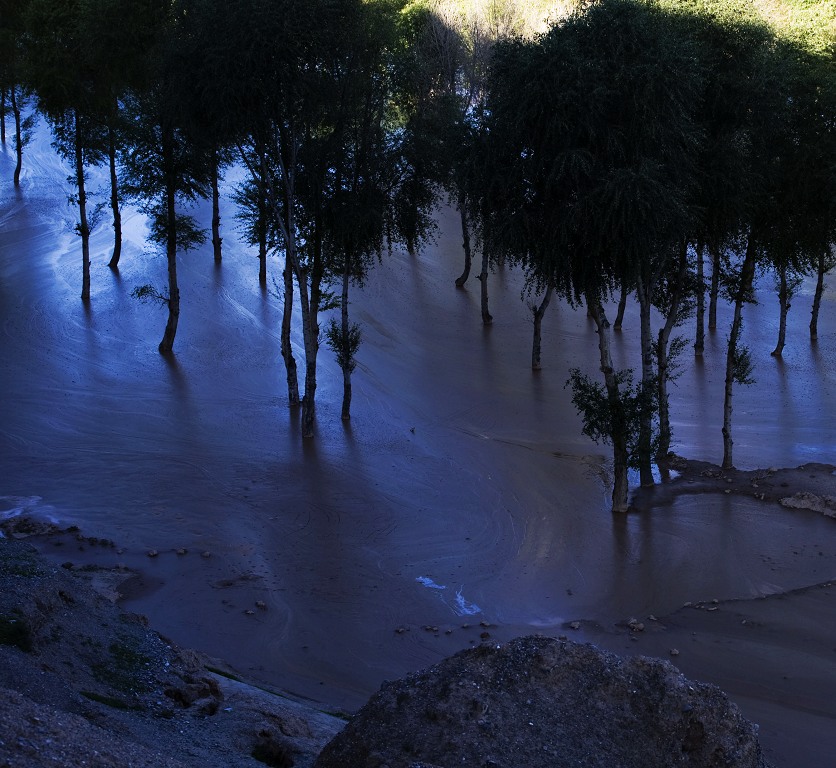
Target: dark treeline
x=609, y=155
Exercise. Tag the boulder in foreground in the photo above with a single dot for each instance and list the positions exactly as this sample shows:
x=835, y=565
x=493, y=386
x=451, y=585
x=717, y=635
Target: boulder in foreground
x=537, y=702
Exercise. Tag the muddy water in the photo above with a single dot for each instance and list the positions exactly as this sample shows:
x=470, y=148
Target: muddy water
x=461, y=492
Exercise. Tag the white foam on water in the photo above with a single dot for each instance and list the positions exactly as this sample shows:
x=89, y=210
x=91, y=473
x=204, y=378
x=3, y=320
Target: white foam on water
x=429, y=583
x=14, y=506
x=465, y=607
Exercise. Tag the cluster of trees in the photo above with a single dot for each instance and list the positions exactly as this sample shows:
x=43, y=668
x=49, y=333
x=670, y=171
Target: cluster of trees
x=608, y=152
x=630, y=141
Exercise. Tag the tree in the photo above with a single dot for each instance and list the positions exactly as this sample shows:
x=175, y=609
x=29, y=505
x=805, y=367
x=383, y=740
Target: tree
x=592, y=191
x=62, y=76
x=116, y=36
x=164, y=168
x=13, y=75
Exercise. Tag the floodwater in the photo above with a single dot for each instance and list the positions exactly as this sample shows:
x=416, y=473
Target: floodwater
x=462, y=491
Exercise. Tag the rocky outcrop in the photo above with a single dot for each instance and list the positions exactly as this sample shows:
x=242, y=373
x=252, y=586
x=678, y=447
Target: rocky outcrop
x=826, y=505
x=537, y=702
x=84, y=683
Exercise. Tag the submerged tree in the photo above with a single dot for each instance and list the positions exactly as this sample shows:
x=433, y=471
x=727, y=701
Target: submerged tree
x=164, y=167
x=13, y=78
x=64, y=80
x=591, y=193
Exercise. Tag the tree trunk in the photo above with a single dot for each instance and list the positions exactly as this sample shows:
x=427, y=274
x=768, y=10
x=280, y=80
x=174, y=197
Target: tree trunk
x=715, y=288
x=622, y=306
x=18, y=135
x=310, y=336
x=539, y=311
x=747, y=274
x=346, y=411
x=167, y=344
x=216, y=208
x=618, y=427
x=261, y=224
x=487, y=319
x=83, y=225
x=662, y=361
x=699, y=341
x=784, y=305
x=286, y=346
x=814, y=320
x=114, y=199
x=644, y=291
x=468, y=257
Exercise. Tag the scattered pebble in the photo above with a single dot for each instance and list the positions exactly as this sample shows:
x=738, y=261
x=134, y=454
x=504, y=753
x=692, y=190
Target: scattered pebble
x=484, y=635
x=249, y=612
x=152, y=553
x=182, y=551
x=401, y=630
x=574, y=625
x=674, y=652
x=206, y=554
x=261, y=604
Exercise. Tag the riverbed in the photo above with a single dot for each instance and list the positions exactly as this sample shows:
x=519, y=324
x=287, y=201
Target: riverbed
x=461, y=498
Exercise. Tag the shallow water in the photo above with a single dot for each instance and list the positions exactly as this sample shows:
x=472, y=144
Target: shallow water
x=460, y=469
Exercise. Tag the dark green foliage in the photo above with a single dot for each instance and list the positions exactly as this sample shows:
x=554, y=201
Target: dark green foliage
x=148, y=292
x=602, y=418
x=125, y=667
x=344, y=345
x=742, y=365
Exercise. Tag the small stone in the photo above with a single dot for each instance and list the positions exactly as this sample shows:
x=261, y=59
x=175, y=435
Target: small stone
x=401, y=630
x=182, y=551
x=652, y=618
x=727, y=491
x=484, y=623
x=574, y=625
x=249, y=612
x=206, y=554
x=484, y=635
x=261, y=604
x=674, y=652
x=152, y=553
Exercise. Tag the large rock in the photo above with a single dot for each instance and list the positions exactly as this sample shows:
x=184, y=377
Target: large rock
x=544, y=702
